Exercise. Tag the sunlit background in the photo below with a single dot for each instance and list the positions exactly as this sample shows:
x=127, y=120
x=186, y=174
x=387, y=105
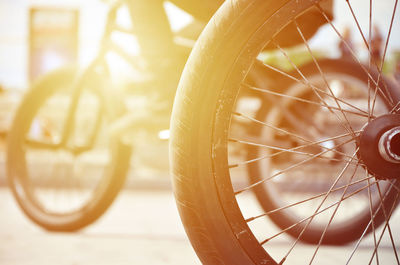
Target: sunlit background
x=91, y=16
x=39, y=36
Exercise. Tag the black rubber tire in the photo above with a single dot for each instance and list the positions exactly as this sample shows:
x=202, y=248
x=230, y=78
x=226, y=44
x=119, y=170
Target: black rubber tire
x=111, y=181
x=352, y=229
x=198, y=201
x=206, y=95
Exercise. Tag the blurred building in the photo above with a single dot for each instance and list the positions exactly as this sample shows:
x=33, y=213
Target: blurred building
x=21, y=18
x=16, y=26
x=53, y=39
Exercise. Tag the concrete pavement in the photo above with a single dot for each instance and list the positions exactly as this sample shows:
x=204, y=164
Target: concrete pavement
x=141, y=227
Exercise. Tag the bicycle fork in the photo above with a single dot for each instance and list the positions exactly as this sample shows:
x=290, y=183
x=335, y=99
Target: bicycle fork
x=69, y=125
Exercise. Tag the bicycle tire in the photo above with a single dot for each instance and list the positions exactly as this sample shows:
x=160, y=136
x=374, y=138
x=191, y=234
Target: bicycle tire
x=22, y=182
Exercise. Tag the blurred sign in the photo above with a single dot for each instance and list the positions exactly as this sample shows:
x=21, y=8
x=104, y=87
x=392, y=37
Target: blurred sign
x=53, y=39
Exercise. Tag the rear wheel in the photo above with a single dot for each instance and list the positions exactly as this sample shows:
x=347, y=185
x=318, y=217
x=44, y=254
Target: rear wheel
x=65, y=186
x=225, y=222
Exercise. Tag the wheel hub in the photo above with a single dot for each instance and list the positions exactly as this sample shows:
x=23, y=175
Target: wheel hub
x=379, y=146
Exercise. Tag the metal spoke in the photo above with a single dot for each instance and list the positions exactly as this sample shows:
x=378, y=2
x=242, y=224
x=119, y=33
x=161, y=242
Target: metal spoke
x=369, y=224
x=294, y=149
x=366, y=43
x=307, y=82
x=285, y=132
x=333, y=215
x=390, y=101
x=384, y=228
x=395, y=108
x=371, y=214
x=311, y=129
x=271, y=126
x=319, y=207
x=369, y=61
x=345, y=124
x=360, y=113
x=314, y=214
x=284, y=170
x=389, y=229
x=311, y=86
x=358, y=24
x=385, y=50
x=306, y=200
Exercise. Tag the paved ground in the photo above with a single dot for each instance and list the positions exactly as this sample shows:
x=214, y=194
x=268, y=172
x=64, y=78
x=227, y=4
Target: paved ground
x=142, y=227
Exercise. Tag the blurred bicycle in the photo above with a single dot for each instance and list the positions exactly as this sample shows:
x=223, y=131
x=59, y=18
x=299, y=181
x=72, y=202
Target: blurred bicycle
x=70, y=143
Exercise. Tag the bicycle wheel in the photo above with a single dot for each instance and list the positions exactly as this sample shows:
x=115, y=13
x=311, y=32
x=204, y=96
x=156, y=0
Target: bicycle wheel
x=350, y=84
x=65, y=186
x=221, y=214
